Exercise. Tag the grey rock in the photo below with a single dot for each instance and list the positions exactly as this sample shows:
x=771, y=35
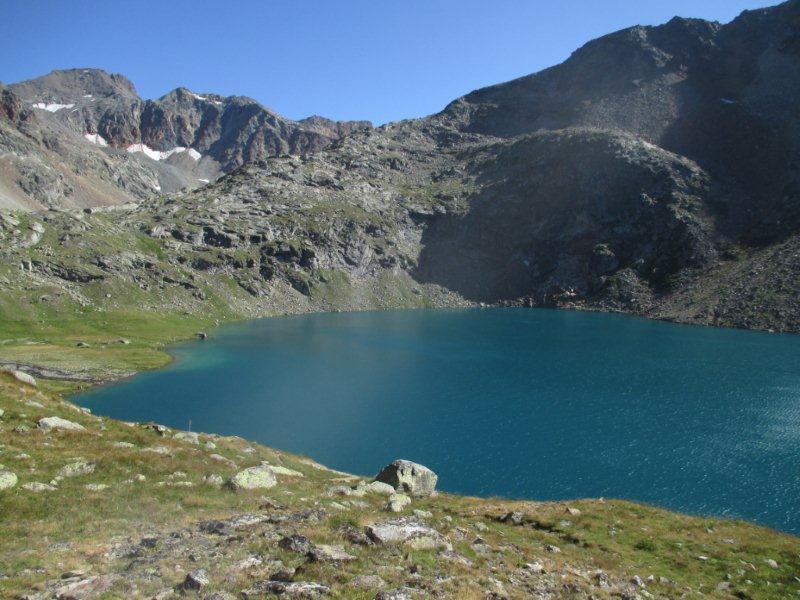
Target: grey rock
x=398, y=502
x=408, y=477
x=77, y=469
x=7, y=479
x=296, y=543
x=196, y=580
x=50, y=423
x=252, y=478
x=410, y=532
x=327, y=553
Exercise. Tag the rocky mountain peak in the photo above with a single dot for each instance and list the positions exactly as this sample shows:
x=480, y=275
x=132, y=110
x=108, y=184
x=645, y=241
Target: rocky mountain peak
x=68, y=86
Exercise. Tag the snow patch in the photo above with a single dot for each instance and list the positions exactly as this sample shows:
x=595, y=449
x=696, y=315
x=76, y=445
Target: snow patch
x=203, y=180
x=95, y=138
x=728, y=101
x=162, y=154
x=87, y=95
x=52, y=107
x=198, y=97
x=157, y=187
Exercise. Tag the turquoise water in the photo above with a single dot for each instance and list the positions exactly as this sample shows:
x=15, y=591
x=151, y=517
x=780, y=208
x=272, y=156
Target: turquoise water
x=512, y=402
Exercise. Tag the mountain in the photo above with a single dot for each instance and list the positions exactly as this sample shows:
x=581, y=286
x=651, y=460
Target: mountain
x=140, y=147
x=653, y=172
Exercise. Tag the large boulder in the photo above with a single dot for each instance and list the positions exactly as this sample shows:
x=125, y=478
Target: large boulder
x=50, y=423
x=409, y=477
x=254, y=478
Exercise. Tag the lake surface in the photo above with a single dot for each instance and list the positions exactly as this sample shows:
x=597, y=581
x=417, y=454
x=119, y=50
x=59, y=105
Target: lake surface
x=520, y=403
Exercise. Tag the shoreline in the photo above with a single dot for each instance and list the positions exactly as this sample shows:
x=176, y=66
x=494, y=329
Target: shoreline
x=189, y=340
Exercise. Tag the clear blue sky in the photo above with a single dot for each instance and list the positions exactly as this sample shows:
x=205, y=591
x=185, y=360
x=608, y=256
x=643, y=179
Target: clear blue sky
x=380, y=60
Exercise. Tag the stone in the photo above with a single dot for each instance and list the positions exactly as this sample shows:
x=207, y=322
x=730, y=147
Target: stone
x=292, y=589
x=24, y=378
x=397, y=502
x=7, y=480
x=196, y=580
x=77, y=468
x=2, y=412
x=35, y=486
x=398, y=594
x=296, y=543
x=409, y=477
x=326, y=553
x=187, y=436
x=213, y=479
x=96, y=487
x=409, y=532
x=456, y=558
x=50, y=423
x=123, y=445
x=423, y=514
x=536, y=568
x=254, y=478
x=515, y=518
x=772, y=563
x=222, y=459
x=368, y=582
x=78, y=588
x=374, y=487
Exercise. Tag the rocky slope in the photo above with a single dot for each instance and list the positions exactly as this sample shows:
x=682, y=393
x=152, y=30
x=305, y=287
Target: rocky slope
x=139, y=148
x=653, y=172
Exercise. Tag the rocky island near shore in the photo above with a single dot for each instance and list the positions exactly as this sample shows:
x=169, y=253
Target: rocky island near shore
x=655, y=173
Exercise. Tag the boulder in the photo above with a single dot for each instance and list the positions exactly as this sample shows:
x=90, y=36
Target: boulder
x=409, y=477
x=296, y=543
x=50, y=423
x=35, y=486
x=409, y=532
x=196, y=580
x=325, y=553
x=254, y=478
x=397, y=502
x=375, y=487
x=77, y=468
x=7, y=480
x=290, y=589
x=187, y=436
